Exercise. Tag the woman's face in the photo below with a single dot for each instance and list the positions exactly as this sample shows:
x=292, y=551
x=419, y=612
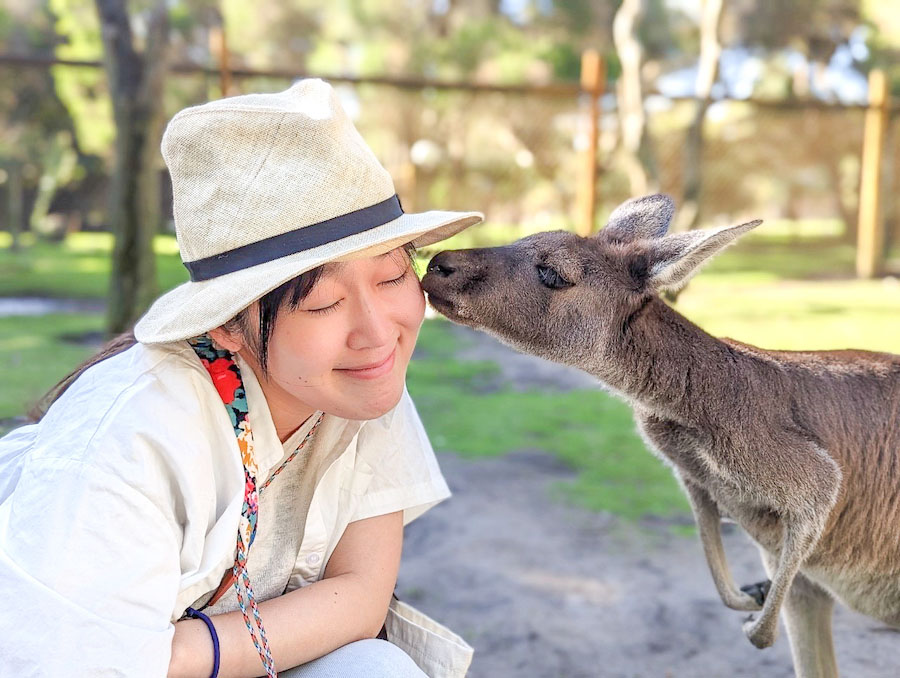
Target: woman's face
x=346, y=348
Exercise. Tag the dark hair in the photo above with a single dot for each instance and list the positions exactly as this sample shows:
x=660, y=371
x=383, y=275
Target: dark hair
x=270, y=305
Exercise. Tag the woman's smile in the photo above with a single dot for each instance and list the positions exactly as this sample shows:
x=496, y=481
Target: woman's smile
x=371, y=370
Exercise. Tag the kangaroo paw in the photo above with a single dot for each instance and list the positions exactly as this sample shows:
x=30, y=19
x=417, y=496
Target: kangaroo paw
x=758, y=591
x=741, y=602
x=761, y=632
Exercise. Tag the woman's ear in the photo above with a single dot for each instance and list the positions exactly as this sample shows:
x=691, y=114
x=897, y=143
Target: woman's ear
x=230, y=341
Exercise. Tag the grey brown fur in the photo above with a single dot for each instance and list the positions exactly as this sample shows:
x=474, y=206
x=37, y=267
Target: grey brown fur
x=802, y=449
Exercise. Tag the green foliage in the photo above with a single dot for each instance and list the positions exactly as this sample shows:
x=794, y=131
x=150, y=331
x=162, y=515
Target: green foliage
x=469, y=45
x=83, y=90
x=564, y=60
x=654, y=30
x=577, y=17
x=31, y=116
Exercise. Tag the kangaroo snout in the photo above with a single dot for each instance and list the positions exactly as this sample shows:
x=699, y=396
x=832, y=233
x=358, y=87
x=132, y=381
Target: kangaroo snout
x=455, y=281
x=452, y=272
x=442, y=281
x=442, y=264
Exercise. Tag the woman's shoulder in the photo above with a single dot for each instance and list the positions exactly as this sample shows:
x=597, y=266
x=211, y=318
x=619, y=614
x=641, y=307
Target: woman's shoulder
x=134, y=388
x=147, y=410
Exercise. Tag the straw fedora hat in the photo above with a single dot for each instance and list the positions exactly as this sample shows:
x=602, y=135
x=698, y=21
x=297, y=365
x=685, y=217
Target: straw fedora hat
x=266, y=187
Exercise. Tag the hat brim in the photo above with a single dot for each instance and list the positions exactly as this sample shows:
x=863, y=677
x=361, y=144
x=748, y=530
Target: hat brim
x=197, y=307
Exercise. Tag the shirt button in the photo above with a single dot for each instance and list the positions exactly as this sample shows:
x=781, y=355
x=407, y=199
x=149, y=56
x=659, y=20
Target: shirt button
x=312, y=558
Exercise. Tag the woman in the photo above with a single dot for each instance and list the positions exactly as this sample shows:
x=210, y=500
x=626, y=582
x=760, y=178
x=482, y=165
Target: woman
x=228, y=495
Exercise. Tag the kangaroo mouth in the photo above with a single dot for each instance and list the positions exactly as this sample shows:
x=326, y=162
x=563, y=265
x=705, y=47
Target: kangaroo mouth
x=442, y=306
x=446, y=299
x=436, y=298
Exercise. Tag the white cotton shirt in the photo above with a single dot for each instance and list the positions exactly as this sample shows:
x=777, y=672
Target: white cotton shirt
x=121, y=508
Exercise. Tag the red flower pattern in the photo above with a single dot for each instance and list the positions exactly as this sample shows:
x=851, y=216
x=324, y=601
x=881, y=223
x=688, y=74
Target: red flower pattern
x=223, y=378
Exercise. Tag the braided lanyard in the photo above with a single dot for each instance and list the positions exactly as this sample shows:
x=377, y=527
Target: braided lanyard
x=226, y=377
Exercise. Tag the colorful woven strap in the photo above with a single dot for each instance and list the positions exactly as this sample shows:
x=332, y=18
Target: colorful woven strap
x=226, y=376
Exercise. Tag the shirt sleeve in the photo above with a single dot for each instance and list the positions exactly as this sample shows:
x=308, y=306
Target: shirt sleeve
x=405, y=473
x=104, y=608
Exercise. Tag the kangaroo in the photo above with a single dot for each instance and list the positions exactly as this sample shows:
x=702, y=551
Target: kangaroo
x=801, y=449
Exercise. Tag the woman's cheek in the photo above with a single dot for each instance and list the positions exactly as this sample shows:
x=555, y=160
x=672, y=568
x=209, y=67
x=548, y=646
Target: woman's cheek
x=417, y=305
x=308, y=357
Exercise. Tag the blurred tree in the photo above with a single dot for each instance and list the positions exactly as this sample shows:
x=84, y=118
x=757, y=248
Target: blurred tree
x=136, y=83
x=636, y=155
x=524, y=42
x=707, y=74
x=883, y=41
x=84, y=91
x=812, y=28
x=35, y=128
x=59, y=168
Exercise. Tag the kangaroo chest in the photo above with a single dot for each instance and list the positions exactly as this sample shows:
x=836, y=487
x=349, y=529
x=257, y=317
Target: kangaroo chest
x=691, y=454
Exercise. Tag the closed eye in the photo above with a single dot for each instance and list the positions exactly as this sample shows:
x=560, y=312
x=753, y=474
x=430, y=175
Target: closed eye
x=333, y=307
x=551, y=278
x=396, y=281
x=326, y=309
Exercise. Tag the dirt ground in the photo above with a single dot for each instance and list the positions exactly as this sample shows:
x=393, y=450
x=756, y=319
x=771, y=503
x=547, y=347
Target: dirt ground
x=541, y=589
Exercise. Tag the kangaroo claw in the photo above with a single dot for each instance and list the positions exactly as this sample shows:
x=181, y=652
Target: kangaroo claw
x=758, y=591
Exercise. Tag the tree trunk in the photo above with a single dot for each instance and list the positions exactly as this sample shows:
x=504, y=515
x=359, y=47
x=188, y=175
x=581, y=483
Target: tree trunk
x=14, y=204
x=136, y=85
x=636, y=155
x=58, y=165
x=707, y=73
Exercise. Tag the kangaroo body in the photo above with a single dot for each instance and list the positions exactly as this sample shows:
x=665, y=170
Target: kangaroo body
x=832, y=420
x=801, y=449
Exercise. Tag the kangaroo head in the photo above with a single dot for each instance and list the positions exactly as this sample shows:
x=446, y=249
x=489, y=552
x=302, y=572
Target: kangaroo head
x=562, y=296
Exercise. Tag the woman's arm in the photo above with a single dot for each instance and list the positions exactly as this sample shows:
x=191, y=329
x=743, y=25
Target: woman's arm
x=349, y=604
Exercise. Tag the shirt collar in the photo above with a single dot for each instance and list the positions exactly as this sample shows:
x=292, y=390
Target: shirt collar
x=267, y=447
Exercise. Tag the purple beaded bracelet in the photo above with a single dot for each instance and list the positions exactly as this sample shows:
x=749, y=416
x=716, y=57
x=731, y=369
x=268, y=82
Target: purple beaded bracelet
x=196, y=614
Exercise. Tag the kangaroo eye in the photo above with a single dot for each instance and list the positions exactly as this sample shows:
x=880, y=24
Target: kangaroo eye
x=551, y=278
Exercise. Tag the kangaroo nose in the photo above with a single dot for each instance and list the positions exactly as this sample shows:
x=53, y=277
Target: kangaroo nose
x=441, y=264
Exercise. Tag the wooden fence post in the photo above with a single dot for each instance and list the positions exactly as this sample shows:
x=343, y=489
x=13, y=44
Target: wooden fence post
x=593, y=81
x=218, y=45
x=870, y=241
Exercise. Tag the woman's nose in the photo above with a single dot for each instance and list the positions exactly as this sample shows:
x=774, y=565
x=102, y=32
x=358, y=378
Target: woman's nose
x=372, y=326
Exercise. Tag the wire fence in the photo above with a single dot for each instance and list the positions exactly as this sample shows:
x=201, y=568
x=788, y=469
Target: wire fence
x=516, y=153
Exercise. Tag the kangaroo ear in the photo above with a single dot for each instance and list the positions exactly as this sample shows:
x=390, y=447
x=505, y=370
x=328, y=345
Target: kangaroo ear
x=640, y=218
x=675, y=258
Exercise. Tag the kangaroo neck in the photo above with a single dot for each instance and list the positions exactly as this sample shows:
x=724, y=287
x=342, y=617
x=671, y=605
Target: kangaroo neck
x=668, y=365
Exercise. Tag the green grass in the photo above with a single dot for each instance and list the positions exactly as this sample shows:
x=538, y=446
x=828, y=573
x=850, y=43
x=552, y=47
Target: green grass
x=35, y=354
x=468, y=410
x=784, y=288
x=765, y=260
x=76, y=268
x=797, y=315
